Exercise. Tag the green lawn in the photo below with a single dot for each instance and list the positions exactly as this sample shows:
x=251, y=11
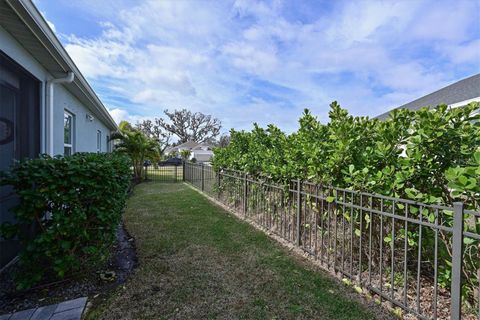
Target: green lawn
x=196, y=261
x=166, y=174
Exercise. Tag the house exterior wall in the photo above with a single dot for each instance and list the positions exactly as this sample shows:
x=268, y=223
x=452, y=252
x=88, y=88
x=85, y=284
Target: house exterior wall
x=201, y=155
x=85, y=131
x=464, y=103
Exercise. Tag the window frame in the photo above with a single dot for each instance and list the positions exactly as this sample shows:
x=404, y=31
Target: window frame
x=70, y=145
x=99, y=141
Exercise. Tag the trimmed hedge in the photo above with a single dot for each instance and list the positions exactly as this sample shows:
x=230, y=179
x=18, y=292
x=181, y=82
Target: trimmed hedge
x=431, y=155
x=74, y=204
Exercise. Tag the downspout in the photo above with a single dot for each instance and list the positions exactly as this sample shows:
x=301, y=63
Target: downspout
x=50, y=85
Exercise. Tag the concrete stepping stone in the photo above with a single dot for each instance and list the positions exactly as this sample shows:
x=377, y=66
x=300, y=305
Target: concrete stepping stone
x=67, y=310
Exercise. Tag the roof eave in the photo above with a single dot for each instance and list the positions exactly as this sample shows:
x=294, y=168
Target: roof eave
x=35, y=22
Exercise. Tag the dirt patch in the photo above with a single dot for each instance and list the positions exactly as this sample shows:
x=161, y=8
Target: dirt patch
x=122, y=262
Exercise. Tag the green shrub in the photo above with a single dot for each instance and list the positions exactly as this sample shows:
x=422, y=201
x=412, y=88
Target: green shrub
x=406, y=156
x=430, y=155
x=74, y=204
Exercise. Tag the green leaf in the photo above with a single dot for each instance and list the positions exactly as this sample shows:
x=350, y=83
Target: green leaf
x=367, y=218
x=357, y=232
x=463, y=180
x=476, y=155
x=330, y=199
x=351, y=168
x=65, y=244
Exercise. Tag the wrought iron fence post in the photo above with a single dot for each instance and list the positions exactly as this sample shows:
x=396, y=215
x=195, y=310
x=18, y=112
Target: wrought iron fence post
x=183, y=171
x=457, y=257
x=299, y=209
x=218, y=183
x=175, y=173
x=245, y=192
x=203, y=177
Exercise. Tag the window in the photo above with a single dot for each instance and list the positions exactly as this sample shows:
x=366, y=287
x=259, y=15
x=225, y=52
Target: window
x=99, y=141
x=67, y=133
x=19, y=136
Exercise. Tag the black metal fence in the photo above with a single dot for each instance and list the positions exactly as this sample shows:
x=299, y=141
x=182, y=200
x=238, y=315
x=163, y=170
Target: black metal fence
x=413, y=256
x=170, y=173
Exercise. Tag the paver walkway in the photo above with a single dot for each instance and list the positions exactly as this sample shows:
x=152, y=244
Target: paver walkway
x=67, y=310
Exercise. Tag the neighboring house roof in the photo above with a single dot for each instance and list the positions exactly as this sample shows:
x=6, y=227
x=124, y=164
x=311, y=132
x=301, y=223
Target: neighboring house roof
x=200, y=151
x=25, y=23
x=461, y=91
x=189, y=145
x=203, y=146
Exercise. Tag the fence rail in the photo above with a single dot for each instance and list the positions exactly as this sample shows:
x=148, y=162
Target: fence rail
x=393, y=247
x=170, y=173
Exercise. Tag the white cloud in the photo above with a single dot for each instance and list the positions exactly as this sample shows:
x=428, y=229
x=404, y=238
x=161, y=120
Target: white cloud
x=256, y=60
x=468, y=52
x=228, y=59
x=447, y=21
x=119, y=115
x=363, y=21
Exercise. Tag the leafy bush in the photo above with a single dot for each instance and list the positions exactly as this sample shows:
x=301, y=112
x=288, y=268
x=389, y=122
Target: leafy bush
x=430, y=156
x=407, y=155
x=74, y=204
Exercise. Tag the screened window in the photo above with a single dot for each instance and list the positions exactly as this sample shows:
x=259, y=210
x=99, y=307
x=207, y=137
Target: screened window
x=67, y=133
x=99, y=141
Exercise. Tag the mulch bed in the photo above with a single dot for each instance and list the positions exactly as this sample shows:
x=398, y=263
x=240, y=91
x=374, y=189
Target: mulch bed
x=122, y=262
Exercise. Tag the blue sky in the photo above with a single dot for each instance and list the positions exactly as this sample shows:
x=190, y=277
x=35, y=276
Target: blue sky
x=248, y=61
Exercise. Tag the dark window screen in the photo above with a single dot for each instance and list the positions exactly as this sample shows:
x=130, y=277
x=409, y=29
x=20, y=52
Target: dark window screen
x=23, y=111
x=19, y=134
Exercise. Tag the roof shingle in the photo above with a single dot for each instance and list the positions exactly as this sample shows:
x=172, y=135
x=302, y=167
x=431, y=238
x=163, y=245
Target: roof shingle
x=466, y=89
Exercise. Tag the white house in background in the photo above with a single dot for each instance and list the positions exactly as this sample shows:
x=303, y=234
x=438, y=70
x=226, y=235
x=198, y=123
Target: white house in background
x=46, y=105
x=457, y=94
x=189, y=145
x=201, y=152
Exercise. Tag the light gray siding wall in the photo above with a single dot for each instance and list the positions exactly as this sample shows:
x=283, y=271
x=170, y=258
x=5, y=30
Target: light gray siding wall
x=85, y=131
x=16, y=52
x=13, y=49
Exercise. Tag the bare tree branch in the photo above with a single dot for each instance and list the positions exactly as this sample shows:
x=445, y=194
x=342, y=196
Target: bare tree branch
x=155, y=131
x=188, y=126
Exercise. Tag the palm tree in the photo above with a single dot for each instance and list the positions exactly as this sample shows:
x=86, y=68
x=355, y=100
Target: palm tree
x=136, y=145
x=185, y=154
